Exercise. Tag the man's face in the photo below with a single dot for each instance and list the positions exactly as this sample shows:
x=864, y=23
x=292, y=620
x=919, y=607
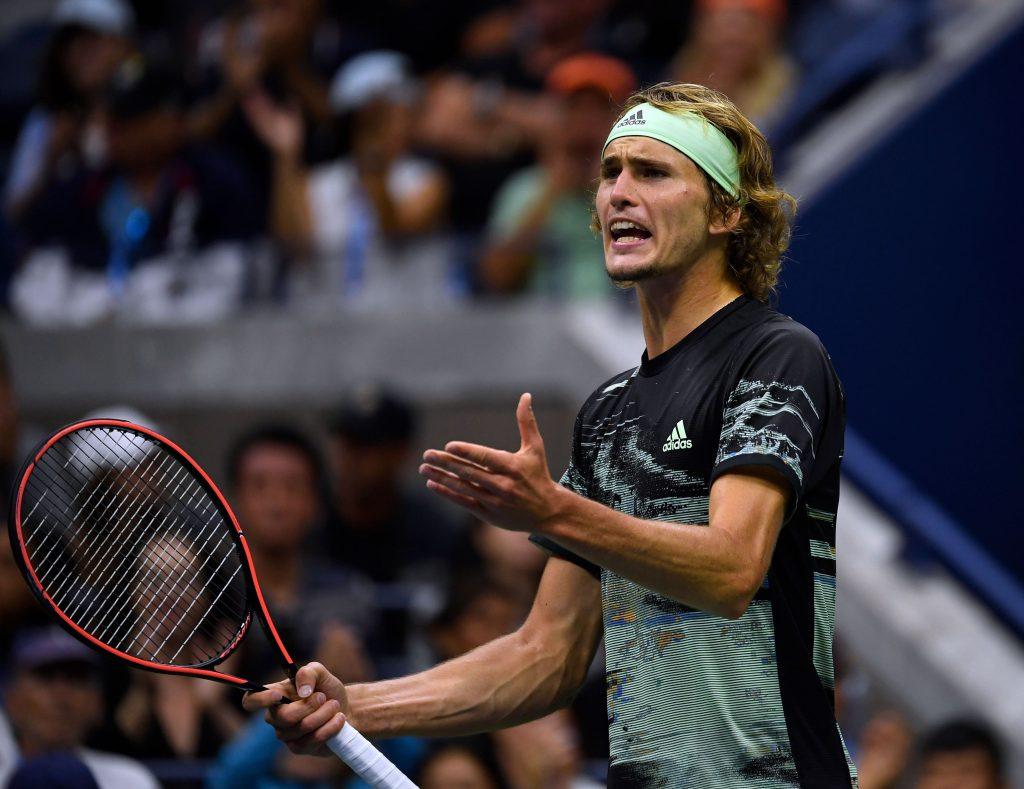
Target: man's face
x=966, y=769
x=55, y=707
x=649, y=184
x=90, y=59
x=276, y=496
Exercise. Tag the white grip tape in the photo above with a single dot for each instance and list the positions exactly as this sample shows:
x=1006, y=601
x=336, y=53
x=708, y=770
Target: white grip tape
x=368, y=763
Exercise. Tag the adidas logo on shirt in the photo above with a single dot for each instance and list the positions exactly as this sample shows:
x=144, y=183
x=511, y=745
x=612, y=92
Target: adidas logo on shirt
x=636, y=119
x=677, y=439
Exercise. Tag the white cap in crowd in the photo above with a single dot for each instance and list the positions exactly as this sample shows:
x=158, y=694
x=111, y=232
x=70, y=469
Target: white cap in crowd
x=381, y=73
x=104, y=16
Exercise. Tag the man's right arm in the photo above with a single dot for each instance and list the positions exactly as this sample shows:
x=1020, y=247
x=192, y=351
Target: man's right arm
x=518, y=677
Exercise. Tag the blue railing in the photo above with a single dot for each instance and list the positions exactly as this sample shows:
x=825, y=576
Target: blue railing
x=908, y=267
x=932, y=535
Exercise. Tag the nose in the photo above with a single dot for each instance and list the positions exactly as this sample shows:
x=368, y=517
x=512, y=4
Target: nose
x=623, y=191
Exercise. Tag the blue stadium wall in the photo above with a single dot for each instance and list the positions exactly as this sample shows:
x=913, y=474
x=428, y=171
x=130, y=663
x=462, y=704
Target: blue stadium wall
x=910, y=267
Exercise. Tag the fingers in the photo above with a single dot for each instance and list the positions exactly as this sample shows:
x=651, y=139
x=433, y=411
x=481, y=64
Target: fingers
x=466, y=502
x=437, y=463
x=319, y=710
x=265, y=699
x=529, y=432
x=286, y=717
x=312, y=743
x=312, y=676
x=491, y=459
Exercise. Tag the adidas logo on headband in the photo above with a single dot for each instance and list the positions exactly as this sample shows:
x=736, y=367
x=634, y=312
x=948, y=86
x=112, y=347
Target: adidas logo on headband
x=636, y=119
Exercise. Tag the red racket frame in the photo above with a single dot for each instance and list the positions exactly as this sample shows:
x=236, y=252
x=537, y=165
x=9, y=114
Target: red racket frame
x=252, y=585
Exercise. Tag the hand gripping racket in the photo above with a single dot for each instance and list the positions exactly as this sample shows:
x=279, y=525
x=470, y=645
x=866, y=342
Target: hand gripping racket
x=130, y=545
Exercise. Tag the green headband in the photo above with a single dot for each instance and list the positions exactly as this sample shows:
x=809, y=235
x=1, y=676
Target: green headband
x=689, y=134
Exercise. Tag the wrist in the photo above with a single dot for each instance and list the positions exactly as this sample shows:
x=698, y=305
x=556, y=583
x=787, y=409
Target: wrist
x=561, y=503
x=360, y=711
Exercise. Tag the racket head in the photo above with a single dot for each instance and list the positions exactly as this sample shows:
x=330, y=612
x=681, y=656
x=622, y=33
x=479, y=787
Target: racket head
x=134, y=550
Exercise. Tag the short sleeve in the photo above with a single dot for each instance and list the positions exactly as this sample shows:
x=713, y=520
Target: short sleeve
x=784, y=411
x=575, y=479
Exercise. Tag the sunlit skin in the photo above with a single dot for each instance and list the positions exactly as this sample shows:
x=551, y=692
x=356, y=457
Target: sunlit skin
x=650, y=183
x=684, y=261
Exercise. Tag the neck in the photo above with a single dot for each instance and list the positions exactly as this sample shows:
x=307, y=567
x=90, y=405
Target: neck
x=673, y=305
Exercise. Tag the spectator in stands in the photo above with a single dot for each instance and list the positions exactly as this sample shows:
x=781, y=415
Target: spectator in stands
x=735, y=47
x=466, y=763
x=883, y=751
x=478, y=609
x=487, y=113
x=541, y=753
x=49, y=666
x=61, y=770
x=319, y=608
x=539, y=239
x=158, y=235
x=9, y=459
x=164, y=716
x=90, y=39
x=508, y=558
x=382, y=527
x=287, y=49
x=368, y=224
x=488, y=104
x=18, y=609
x=961, y=754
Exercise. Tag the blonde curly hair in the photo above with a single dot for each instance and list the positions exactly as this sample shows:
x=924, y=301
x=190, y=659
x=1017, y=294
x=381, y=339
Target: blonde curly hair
x=762, y=234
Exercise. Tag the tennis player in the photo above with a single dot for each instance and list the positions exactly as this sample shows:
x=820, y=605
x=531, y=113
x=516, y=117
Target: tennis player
x=695, y=526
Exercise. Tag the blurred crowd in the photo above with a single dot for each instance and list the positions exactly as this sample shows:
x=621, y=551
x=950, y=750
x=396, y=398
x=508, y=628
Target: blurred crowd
x=367, y=573
x=362, y=572
x=178, y=161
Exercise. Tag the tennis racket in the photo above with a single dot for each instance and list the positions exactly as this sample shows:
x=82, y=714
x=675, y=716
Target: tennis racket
x=134, y=550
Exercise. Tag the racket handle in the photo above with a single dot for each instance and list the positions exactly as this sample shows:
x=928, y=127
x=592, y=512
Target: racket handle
x=366, y=761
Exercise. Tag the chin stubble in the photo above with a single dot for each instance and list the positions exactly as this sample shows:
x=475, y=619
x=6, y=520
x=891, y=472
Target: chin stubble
x=624, y=281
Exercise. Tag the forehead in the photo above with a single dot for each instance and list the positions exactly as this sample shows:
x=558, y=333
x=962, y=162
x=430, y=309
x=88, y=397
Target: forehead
x=647, y=148
x=271, y=456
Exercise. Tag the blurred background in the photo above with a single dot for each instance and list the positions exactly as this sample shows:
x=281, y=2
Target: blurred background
x=308, y=239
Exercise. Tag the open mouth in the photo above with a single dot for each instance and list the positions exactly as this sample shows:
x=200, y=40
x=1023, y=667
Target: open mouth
x=625, y=232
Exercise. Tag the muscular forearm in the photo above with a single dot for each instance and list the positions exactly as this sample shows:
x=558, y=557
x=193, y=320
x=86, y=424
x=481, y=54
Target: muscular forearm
x=505, y=682
x=704, y=567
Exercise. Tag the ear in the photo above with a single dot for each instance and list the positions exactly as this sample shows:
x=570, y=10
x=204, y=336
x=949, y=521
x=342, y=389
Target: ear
x=720, y=224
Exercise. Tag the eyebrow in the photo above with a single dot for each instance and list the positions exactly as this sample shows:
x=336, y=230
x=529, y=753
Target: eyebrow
x=636, y=161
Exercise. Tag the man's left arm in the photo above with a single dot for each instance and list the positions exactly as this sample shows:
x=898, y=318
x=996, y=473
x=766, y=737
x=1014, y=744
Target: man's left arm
x=782, y=425
x=716, y=568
